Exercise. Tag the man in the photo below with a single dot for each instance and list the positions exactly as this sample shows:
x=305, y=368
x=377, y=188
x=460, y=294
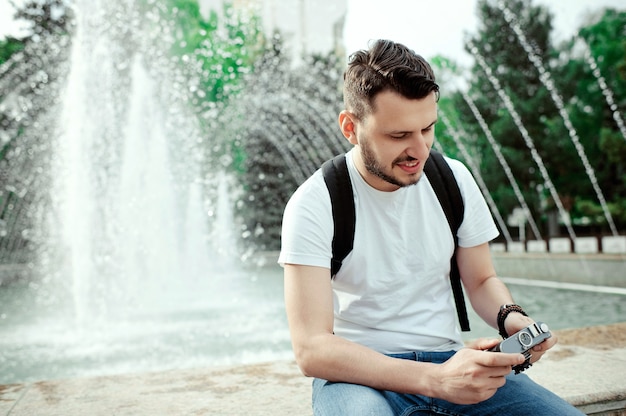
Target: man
x=381, y=337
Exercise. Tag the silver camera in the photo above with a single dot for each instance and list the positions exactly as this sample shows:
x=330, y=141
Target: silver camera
x=522, y=341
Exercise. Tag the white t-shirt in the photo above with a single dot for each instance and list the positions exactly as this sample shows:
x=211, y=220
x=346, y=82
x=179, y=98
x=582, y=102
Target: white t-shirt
x=393, y=292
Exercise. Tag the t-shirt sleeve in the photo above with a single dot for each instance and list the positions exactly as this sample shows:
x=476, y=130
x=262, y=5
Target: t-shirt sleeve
x=307, y=228
x=478, y=226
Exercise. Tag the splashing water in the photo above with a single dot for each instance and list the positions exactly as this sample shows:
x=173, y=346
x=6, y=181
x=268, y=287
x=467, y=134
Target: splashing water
x=139, y=272
x=527, y=139
x=606, y=91
x=505, y=165
x=547, y=81
x=477, y=175
x=127, y=222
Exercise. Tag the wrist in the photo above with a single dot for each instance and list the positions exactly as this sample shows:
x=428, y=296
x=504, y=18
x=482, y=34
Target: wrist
x=503, y=313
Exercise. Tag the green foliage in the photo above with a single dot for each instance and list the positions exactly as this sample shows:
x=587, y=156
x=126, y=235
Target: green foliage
x=592, y=117
x=593, y=120
x=30, y=64
x=449, y=125
x=613, y=146
x=31, y=70
x=8, y=47
x=216, y=51
x=223, y=56
x=213, y=53
x=499, y=46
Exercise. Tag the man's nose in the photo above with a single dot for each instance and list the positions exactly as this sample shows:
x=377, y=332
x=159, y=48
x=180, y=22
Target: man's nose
x=418, y=147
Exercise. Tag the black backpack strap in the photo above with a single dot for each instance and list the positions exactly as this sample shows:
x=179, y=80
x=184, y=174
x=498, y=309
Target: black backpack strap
x=337, y=180
x=448, y=193
x=441, y=178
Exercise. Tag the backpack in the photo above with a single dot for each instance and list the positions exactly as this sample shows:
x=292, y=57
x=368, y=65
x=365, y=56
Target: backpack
x=441, y=178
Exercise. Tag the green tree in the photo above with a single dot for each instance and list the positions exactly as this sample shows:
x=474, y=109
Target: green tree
x=219, y=49
x=211, y=55
x=29, y=63
x=497, y=44
x=203, y=58
x=599, y=44
x=447, y=73
x=8, y=47
x=31, y=74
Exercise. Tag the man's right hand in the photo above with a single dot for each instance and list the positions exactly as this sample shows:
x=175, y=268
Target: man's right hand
x=473, y=374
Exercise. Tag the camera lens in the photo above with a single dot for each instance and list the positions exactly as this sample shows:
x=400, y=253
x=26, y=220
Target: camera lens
x=525, y=339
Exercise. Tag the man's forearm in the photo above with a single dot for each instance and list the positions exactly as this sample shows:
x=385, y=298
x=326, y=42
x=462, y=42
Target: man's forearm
x=487, y=298
x=333, y=358
x=470, y=376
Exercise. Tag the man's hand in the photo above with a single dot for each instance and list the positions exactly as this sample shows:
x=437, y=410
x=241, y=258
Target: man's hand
x=516, y=321
x=473, y=374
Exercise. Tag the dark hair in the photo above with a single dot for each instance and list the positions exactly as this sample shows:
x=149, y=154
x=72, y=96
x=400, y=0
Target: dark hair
x=386, y=66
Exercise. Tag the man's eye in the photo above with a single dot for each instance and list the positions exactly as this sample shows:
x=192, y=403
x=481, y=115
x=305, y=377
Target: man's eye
x=398, y=136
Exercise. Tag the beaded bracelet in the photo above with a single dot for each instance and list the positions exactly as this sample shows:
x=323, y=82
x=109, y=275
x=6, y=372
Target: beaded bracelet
x=505, y=310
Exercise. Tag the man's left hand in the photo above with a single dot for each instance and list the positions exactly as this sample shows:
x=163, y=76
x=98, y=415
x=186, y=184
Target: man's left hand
x=516, y=321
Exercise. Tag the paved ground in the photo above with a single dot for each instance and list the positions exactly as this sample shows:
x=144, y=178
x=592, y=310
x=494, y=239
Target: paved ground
x=588, y=367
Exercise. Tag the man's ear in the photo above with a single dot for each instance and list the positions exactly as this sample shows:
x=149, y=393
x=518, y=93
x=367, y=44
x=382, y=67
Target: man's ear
x=347, y=124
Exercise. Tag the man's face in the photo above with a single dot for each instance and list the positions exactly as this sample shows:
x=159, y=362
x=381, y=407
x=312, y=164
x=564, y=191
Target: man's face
x=395, y=140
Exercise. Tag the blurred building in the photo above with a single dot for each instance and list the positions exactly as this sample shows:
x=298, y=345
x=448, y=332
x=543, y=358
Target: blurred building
x=308, y=26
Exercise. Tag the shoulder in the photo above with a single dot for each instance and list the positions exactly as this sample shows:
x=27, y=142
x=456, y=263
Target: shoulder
x=313, y=189
x=478, y=226
x=307, y=228
x=462, y=175
x=311, y=200
x=458, y=168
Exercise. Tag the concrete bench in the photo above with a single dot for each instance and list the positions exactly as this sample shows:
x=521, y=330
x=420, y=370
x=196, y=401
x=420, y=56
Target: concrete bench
x=588, y=368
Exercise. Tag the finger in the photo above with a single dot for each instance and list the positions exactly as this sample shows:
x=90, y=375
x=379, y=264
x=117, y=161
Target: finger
x=536, y=356
x=483, y=343
x=502, y=359
x=499, y=373
x=546, y=344
x=500, y=379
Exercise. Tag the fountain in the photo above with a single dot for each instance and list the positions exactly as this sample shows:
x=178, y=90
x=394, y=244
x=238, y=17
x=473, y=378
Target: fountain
x=527, y=139
x=505, y=165
x=546, y=79
x=606, y=91
x=476, y=172
x=119, y=208
x=139, y=263
x=139, y=269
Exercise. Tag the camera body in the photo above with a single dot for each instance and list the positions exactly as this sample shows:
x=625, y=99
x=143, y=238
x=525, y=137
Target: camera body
x=522, y=341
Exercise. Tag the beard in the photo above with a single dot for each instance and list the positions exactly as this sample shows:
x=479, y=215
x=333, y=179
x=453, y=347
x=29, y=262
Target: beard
x=375, y=167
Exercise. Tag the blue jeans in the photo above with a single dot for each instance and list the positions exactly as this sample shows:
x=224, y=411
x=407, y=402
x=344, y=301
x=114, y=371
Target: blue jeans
x=519, y=396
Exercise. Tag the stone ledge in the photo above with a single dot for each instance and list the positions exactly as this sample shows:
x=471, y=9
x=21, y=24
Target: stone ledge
x=588, y=368
x=262, y=389
x=590, y=269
